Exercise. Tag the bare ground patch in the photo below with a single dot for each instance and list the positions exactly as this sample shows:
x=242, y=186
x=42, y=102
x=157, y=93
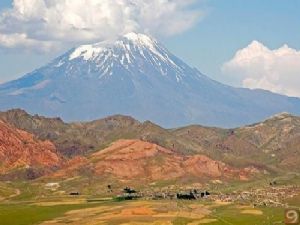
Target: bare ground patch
x=152, y=213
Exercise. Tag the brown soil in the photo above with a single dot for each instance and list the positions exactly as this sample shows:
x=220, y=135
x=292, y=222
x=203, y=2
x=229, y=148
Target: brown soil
x=19, y=149
x=140, y=160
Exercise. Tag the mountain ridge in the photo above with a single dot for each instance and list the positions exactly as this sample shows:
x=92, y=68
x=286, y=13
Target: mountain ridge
x=130, y=161
x=271, y=145
x=137, y=76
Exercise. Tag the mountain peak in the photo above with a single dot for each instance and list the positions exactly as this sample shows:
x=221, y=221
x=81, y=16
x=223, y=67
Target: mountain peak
x=138, y=37
x=280, y=116
x=131, y=54
x=136, y=75
x=141, y=39
x=92, y=51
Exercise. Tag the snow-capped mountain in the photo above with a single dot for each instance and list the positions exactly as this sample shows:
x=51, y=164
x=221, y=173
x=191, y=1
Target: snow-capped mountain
x=136, y=75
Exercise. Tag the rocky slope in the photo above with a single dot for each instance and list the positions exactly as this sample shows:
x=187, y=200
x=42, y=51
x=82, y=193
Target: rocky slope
x=140, y=161
x=278, y=137
x=73, y=139
x=20, y=150
x=271, y=145
x=273, y=142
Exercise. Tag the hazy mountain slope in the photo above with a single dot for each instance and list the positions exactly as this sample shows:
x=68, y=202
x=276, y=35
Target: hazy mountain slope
x=135, y=75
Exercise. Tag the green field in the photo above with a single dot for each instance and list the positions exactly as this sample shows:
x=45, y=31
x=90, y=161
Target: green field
x=25, y=213
x=136, y=212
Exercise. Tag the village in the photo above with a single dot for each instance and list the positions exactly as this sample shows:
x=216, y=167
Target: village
x=273, y=196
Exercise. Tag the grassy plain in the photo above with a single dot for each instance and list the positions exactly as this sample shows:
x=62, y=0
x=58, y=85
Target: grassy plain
x=29, y=203
x=74, y=211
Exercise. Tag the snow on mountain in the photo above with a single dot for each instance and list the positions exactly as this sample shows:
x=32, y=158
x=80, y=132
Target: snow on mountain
x=136, y=75
x=131, y=52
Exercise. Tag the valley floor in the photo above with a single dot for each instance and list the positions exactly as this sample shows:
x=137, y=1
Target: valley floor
x=77, y=211
x=31, y=203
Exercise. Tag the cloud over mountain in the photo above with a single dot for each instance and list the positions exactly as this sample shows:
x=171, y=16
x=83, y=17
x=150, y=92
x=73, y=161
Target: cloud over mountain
x=53, y=23
x=257, y=66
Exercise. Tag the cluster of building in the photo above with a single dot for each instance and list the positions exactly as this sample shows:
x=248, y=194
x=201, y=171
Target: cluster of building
x=129, y=194
x=272, y=196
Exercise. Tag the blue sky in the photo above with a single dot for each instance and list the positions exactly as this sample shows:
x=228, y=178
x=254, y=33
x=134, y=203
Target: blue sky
x=228, y=25
x=5, y=3
x=232, y=25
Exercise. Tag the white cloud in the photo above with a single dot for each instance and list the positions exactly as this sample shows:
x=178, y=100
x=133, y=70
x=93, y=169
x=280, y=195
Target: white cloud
x=54, y=23
x=257, y=66
x=20, y=40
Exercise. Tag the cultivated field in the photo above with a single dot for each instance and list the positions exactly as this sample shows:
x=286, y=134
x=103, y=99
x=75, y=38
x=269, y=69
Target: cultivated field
x=77, y=211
